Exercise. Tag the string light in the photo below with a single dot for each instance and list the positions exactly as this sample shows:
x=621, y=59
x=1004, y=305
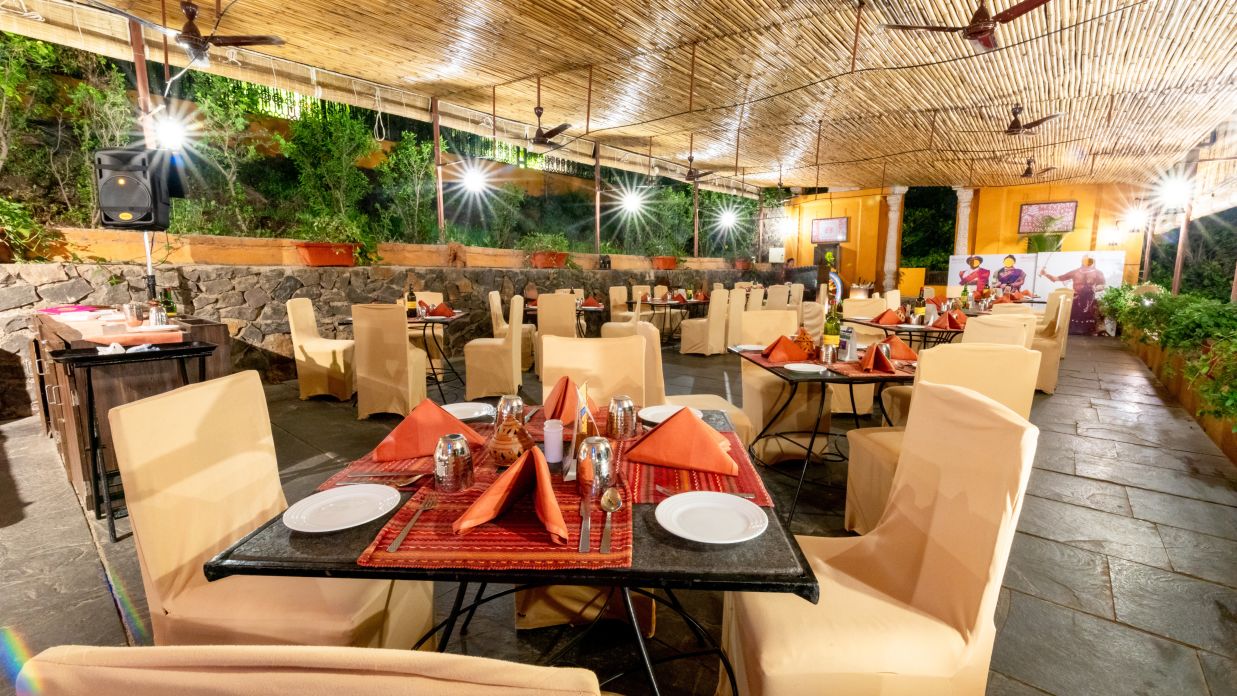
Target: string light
x=631, y=201
x=170, y=133
x=474, y=180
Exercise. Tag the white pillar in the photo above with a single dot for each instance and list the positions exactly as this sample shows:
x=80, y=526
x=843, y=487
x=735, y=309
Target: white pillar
x=893, y=235
x=962, y=226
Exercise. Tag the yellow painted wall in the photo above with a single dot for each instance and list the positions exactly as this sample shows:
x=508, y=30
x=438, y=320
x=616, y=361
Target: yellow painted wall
x=861, y=252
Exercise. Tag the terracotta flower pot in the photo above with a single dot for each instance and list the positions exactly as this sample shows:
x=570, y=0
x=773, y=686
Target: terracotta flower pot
x=742, y=265
x=326, y=253
x=664, y=263
x=549, y=259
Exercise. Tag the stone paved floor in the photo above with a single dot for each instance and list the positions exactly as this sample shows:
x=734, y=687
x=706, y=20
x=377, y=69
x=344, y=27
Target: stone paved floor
x=1122, y=579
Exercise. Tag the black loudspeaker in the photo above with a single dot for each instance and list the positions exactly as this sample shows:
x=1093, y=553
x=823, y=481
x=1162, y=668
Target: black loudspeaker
x=133, y=188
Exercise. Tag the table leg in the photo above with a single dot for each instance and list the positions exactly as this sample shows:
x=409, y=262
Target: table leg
x=794, y=388
x=644, y=648
x=455, y=614
x=854, y=407
x=473, y=609
x=880, y=387
x=430, y=358
x=100, y=468
x=678, y=607
x=807, y=459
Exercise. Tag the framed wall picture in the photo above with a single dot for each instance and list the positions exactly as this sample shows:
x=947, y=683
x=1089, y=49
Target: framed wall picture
x=830, y=230
x=1047, y=218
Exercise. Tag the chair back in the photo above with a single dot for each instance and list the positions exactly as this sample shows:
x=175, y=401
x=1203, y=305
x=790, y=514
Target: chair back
x=302, y=323
x=1012, y=308
x=719, y=286
x=743, y=284
x=953, y=291
x=428, y=297
x=893, y=299
x=556, y=314
x=719, y=303
x=498, y=325
x=764, y=327
x=514, y=340
x=734, y=317
x=287, y=670
x=1004, y=373
x=942, y=543
x=1053, y=304
x=777, y=297
x=863, y=308
x=796, y=293
x=383, y=376
x=813, y=318
x=1060, y=328
x=199, y=471
x=755, y=299
x=928, y=292
x=1007, y=330
x=610, y=366
x=639, y=291
x=618, y=300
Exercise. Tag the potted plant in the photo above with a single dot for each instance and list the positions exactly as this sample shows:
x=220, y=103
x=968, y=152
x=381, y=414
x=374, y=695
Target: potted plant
x=662, y=253
x=327, y=240
x=743, y=262
x=546, y=249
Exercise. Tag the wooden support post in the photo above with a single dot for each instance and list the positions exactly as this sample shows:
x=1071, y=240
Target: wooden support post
x=1233, y=296
x=760, y=225
x=442, y=217
x=596, y=198
x=695, y=219
x=1148, y=232
x=1182, y=249
x=143, y=85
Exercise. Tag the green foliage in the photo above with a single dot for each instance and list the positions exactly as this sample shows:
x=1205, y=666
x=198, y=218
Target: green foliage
x=1210, y=256
x=506, y=219
x=544, y=241
x=24, y=88
x=325, y=145
x=928, y=217
x=407, y=185
x=25, y=238
x=1042, y=242
x=102, y=117
x=1213, y=374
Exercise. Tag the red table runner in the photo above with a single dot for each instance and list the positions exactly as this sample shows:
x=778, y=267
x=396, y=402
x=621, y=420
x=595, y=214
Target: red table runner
x=846, y=369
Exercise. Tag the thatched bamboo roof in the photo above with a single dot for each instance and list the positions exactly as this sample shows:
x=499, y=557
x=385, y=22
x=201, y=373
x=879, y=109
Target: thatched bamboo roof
x=780, y=86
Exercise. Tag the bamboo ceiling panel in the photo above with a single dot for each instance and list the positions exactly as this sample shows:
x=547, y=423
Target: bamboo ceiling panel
x=811, y=92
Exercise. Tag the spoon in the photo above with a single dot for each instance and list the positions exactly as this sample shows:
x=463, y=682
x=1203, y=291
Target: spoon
x=611, y=501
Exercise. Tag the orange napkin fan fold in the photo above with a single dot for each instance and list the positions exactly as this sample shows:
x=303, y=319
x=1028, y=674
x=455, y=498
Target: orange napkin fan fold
x=561, y=403
x=591, y=302
x=874, y=360
x=1003, y=299
x=530, y=471
x=937, y=301
x=887, y=318
x=417, y=435
x=678, y=297
x=442, y=309
x=898, y=350
x=683, y=441
x=957, y=320
x=784, y=350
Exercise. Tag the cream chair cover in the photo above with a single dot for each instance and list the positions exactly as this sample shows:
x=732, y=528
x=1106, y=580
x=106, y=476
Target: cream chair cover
x=1007, y=330
x=734, y=317
x=719, y=286
x=492, y=366
x=1052, y=348
x=796, y=293
x=1012, y=308
x=1004, y=373
x=655, y=384
x=618, y=305
x=908, y=608
x=953, y=291
x=610, y=366
x=556, y=316
x=323, y=365
x=777, y=297
x=745, y=284
x=812, y=317
x=863, y=308
x=199, y=471
x=499, y=326
x=434, y=344
x=666, y=317
x=706, y=336
x=639, y=291
x=928, y=292
x=893, y=299
x=390, y=370
x=755, y=299
x=285, y=670
x=1052, y=305
x=764, y=392
x=1047, y=325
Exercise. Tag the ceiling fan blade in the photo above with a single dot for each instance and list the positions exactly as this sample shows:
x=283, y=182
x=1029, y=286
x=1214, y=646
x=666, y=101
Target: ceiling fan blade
x=245, y=41
x=984, y=43
x=556, y=130
x=921, y=27
x=1018, y=10
x=1038, y=122
x=1045, y=170
x=144, y=22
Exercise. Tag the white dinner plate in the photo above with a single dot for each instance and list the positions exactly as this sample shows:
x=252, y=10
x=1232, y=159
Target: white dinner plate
x=469, y=411
x=341, y=508
x=804, y=367
x=910, y=326
x=747, y=347
x=656, y=414
x=153, y=329
x=711, y=518
x=857, y=318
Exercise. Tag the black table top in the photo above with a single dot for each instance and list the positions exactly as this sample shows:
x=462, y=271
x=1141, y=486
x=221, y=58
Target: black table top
x=772, y=562
x=902, y=327
x=826, y=377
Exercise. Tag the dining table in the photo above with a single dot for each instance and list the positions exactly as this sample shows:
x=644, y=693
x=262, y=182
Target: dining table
x=835, y=374
x=650, y=561
x=917, y=335
x=671, y=320
x=435, y=374
x=582, y=312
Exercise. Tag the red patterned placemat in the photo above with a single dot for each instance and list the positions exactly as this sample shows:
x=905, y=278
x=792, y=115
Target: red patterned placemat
x=642, y=479
x=515, y=541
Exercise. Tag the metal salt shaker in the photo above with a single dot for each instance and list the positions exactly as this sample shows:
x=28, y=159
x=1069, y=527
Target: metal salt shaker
x=452, y=464
x=621, y=418
x=828, y=354
x=509, y=405
x=595, y=467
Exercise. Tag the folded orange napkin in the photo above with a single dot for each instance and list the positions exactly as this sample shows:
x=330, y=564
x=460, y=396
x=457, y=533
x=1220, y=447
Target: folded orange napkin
x=701, y=296
x=591, y=302
x=530, y=302
x=888, y=318
x=1004, y=299
x=530, y=471
x=784, y=350
x=683, y=441
x=425, y=309
x=874, y=360
x=417, y=435
x=561, y=403
x=958, y=319
x=442, y=309
x=644, y=297
x=937, y=301
x=678, y=297
x=898, y=350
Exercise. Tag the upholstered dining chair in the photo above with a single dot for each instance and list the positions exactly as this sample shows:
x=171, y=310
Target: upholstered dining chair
x=743, y=284
x=1051, y=344
x=928, y=291
x=734, y=316
x=860, y=308
x=764, y=392
x=796, y=294
x=390, y=370
x=287, y=670
x=556, y=316
x=610, y=366
x=1004, y=373
x=893, y=299
x=1012, y=308
x=667, y=317
x=433, y=339
x=908, y=608
x=707, y=335
x=499, y=328
x=199, y=471
x=777, y=297
x=812, y=318
x=655, y=380
x=619, y=311
x=493, y=366
x=1007, y=329
x=639, y=291
x=755, y=299
x=323, y=365
x=1047, y=322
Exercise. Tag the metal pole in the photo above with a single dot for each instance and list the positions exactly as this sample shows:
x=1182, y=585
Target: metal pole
x=1149, y=232
x=1233, y=296
x=760, y=224
x=597, y=199
x=695, y=219
x=1181, y=245
x=442, y=217
x=143, y=86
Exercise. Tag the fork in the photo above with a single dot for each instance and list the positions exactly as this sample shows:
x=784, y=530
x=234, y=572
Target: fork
x=430, y=501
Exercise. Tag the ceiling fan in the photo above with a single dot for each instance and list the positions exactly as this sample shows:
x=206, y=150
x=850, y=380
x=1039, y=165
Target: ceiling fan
x=1031, y=173
x=197, y=46
x=1017, y=127
x=544, y=137
x=981, y=31
x=694, y=174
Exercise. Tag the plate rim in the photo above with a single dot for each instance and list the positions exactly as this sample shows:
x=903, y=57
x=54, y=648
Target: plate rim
x=685, y=496
x=748, y=347
x=677, y=407
x=816, y=368
x=340, y=491
x=488, y=409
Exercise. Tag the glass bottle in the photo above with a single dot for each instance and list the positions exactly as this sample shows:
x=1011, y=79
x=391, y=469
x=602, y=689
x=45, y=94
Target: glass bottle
x=169, y=302
x=833, y=326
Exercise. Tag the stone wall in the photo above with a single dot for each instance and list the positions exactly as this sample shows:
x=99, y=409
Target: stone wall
x=251, y=301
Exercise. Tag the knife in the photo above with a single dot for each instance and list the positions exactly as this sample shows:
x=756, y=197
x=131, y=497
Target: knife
x=586, y=526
